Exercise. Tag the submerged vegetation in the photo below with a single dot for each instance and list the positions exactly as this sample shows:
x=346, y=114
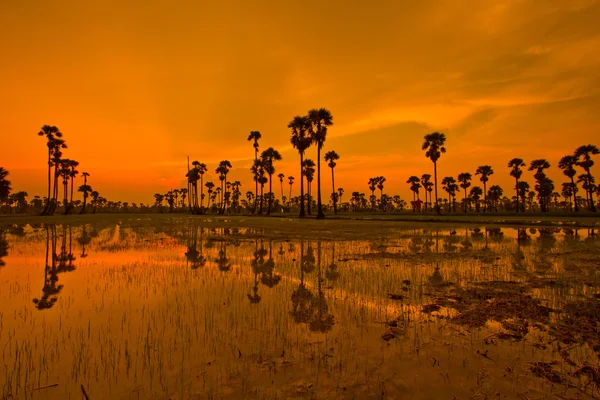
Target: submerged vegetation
x=195, y=306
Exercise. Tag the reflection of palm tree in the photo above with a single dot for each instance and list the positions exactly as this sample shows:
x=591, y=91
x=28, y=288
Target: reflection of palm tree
x=332, y=274
x=3, y=248
x=195, y=257
x=222, y=261
x=84, y=240
x=256, y=264
x=321, y=320
x=302, y=297
x=50, y=290
x=268, y=277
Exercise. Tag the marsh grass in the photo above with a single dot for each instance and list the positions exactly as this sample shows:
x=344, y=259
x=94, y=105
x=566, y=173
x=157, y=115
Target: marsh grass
x=191, y=308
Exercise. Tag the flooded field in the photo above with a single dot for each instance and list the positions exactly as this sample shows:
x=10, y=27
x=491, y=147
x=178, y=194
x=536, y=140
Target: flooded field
x=197, y=309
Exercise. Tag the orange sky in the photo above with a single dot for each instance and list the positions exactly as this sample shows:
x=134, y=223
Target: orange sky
x=137, y=86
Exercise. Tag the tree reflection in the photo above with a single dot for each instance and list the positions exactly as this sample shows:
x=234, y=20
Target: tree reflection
x=51, y=289
x=332, y=274
x=194, y=256
x=321, y=320
x=3, y=247
x=222, y=260
x=84, y=240
x=268, y=277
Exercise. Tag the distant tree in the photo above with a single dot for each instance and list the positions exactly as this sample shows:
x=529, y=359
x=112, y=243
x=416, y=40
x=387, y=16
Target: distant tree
x=434, y=144
x=494, y=194
x=254, y=137
x=485, y=171
x=380, y=181
x=584, y=156
x=428, y=187
x=54, y=144
x=223, y=170
x=567, y=165
x=415, y=184
x=281, y=178
x=465, y=182
x=269, y=156
x=331, y=157
x=475, y=194
x=301, y=140
x=320, y=119
x=523, y=191
x=309, y=173
x=542, y=182
x=450, y=186
x=5, y=188
x=516, y=164
x=291, y=182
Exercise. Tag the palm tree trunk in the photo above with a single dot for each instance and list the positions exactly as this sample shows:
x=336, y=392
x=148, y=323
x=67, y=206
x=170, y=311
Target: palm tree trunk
x=302, y=213
x=256, y=182
x=437, y=206
x=290, y=198
x=261, y=197
x=333, y=197
x=590, y=191
x=517, y=190
x=308, y=197
x=71, y=201
x=320, y=214
x=484, y=197
x=47, y=207
x=270, y=192
x=281, y=182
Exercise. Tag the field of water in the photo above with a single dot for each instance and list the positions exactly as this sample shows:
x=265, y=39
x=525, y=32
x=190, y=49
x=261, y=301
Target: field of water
x=193, y=308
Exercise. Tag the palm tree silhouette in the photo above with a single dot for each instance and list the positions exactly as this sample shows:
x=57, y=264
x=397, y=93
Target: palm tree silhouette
x=309, y=173
x=281, y=177
x=567, y=164
x=476, y=193
x=331, y=157
x=340, y=192
x=427, y=185
x=485, y=171
x=465, y=182
x=380, y=182
x=516, y=164
x=269, y=156
x=543, y=183
x=291, y=182
x=53, y=135
x=258, y=171
x=372, y=186
x=254, y=136
x=450, y=186
x=320, y=119
x=223, y=170
x=85, y=189
x=434, y=144
x=584, y=156
x=301, y=140
x=5, y=188
x=415, y=184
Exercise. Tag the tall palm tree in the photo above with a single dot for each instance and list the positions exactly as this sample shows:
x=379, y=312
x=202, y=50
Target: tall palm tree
x=86, y=190
x=584, y=155
x=72, y=174
x=5, y=188
x=340, y=193
x=202, y=168
x=209, y=188
x=380, y=182
x=254, y=136
x=301, y=140
x=465, y=181
x=269, y=156
x=258, y=173
x=281, y=177
x=516, y=164
x=51, y=133
x=309, y=173
x=434, y=144
x=485, y=171
x=331, y=157
x=291, y=182
x=320, y=119
x=95, y=196
x=223, y=170
x=476, y=193
x=522, y=191
x=567, y=164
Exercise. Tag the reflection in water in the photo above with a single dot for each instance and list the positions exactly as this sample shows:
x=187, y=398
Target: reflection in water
x=3, y=247
x=132, y=313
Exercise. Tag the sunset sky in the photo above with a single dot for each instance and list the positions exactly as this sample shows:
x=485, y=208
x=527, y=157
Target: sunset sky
x=137, y=86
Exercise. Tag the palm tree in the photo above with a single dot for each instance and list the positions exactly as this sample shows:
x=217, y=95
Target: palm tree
x=495, y=193
x=331, y=157
x=309, y=173
x=415, y=184
x=201, y=168
x=258, y=174
x=568, y=193
x=434, y=144
x=542, y=185
x=426, y=182
x=51, y=133
x=85, y=189
x=209, y=188
x=522, y=191
x=485, y=171
x=281, y=177
x=95, y=196
x=449, y=185
x=254, y=136
x=372, y=186
x=380, y=182
x=268, y=156
x=584, y=156
x=465, y=181
x=223, y=170
x=72, y=174
x=320, y=119
x=291, y=182
x=516, y=164
x=301, y=140
x=5, y=188
x=567, y=164
x=476, y=193
x=340, y=193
